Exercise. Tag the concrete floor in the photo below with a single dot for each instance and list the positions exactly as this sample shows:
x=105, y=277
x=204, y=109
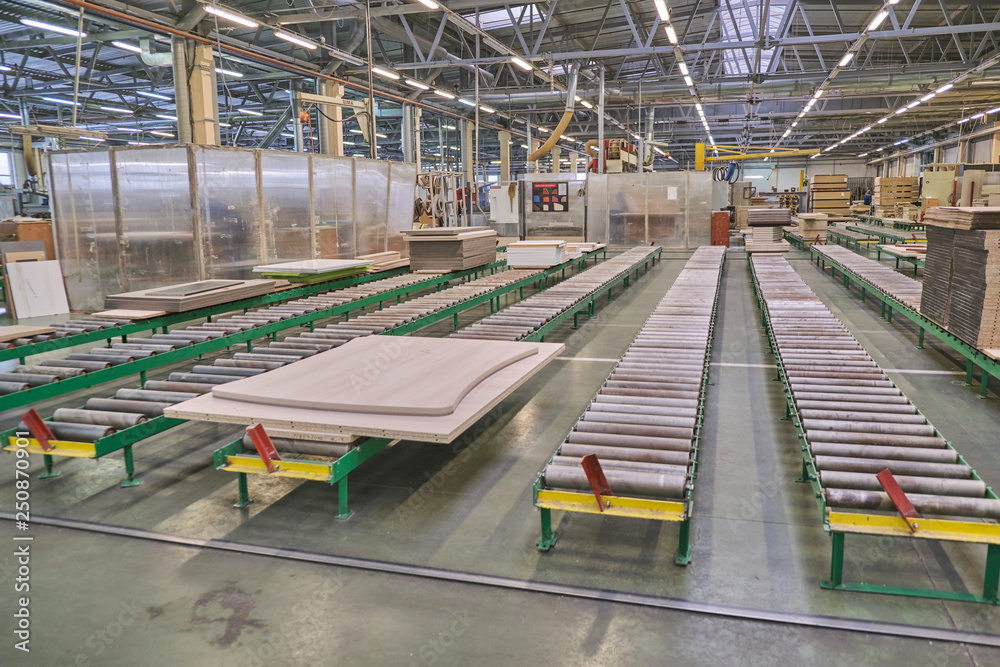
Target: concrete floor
x=757, y=536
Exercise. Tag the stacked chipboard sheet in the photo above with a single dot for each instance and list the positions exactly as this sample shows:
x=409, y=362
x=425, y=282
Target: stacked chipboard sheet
x=889, y=192
x=536, y=254
x=768, y=217
x=189, y=296
x=450, y=248
x=766, y=240
x=384, y=261
x=961, y=288
x=742, y=213
x=829, y=194
x=964, y=217
x=314, y=270
x=813, y=225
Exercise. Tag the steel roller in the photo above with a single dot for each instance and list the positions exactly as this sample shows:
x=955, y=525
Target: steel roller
x=941, y=455
x=631, y=441
x=917, y=468
x=147, y=408
x=60, y=373
x=307, y=447
x=30, y=379
x=586, y=426
x=76, y=363
x=201, y=379
x=876, y=439
x=982, y=508
x=883, y=417
x=624, y=482
x=936, y=486
x=643, y=466
x=869, y=427
x=12, y=387
x=155, y=396
x=116, y=420
x=185, y=387
x=74, y=432
x=111, y=359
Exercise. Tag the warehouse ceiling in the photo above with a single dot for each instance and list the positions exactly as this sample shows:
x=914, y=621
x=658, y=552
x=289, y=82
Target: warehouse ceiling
x=755, y=68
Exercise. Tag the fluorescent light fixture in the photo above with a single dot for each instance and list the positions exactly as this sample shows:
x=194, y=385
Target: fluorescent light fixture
x=12, y=116
x=54, y=28
x=901, y=110
x=522, y=63
x=385, y=73
x=230, y=16
x=524, y=145
x=671, y=34
x=296, y=39
x=928, y=97
x=879, y=150
x=162, y=134
x=138, y=143
x=566, y=137
x=228, y=72
x=817, y=94
x=882, y=120
x=117, y=109
x=814, y=156
x=468, y=103
x=127, y=129
x=993, y=110
x=697, y=105
x=97, y=139
x=352, y=131
x=912, y=104
x=125, y=46
x=59, y=100
x=809, y=105
x=846, y=60
x=166, y=116
x=224, y=125
x=349, y=143
x=416, y=84
x=978, y=115
x=288, y=134
x=661, y=9
x=381, y=136
x=945, y=88
x=155, y=96
x=900, y=142
x=448, y=127
x=430, y=4
x=964, y=120
x=865, y=129
x=586, y=104
x=683, y=67
x=689, y=81
x=863, y=155
x=693, y=92
x=755, y=177
x=4, y=68
x=444, y=94
x=879, y=18
x=251, y=112
x=542, y=129
x=486, y=109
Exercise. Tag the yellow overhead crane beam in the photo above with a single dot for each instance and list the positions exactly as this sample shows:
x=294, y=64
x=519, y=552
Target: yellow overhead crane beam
x=731, y=153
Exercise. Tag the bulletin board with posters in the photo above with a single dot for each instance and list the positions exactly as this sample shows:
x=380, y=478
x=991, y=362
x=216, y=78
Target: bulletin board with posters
x=549, y=197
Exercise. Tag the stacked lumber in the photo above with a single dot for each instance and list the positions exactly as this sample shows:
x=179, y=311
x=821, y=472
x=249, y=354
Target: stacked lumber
x=813, y=225
x=829, y=194
x=189, y=296
x=891, y=191
x=536, y=254
x=384, y=261
x=766, y=239
x=313, y=270
x=961, y=289
x=768, y=217
x=450, y=248
x=742, y=213
x=964, y=217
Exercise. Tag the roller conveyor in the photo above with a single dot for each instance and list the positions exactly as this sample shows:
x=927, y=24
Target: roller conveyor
x=644, y=424
x=883, y=233
x=879, y=276
x=853, y=423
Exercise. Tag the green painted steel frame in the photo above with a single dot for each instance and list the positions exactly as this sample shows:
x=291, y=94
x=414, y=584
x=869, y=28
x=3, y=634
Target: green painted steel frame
x=916, y=262
x=23, y=351
x=811, y=476
x=905, y=225
x=339, y=469
x=682, y=556
x=883, y=236
x=973, y=356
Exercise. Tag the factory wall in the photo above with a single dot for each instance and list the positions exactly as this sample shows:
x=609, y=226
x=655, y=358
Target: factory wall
x=133, y=218
x=785, y=175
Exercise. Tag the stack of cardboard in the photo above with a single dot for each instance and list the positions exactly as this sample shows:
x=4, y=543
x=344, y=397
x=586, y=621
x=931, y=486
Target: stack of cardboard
x=829, y=194
x=813, y=226
x=961, y=288
x=450, y=248
x=384, y=261
x=889, y=192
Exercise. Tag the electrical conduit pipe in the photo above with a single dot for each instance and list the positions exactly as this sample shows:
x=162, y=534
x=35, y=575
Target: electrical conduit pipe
x=544, y=149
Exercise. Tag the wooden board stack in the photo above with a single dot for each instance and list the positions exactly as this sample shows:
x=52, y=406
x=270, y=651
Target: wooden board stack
x=450, y=248
x=888, y=192
x=384, y=261
x=536, y=254
x=813, y=225
x=189, y=296
x=961, y=289
x=766, y=239
x=829, y=194
x=313, y=270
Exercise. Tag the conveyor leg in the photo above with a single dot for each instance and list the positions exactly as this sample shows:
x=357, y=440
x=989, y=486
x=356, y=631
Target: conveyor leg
x=983, y=383
x=992, y=573
x=241, y=481
x=576, y=321
x=804, y=477
x=455, y=317
x=130, y=478
x=836, y=562
x=312, y=326
x=683, y=555
x=920, y=339
x=862, y=294
x=968, y=372
x=883, y=309
x=888, y=315
x=274, y=336
x=343, y=512
x=549, y=537
x=142, y=378
x=48, y=468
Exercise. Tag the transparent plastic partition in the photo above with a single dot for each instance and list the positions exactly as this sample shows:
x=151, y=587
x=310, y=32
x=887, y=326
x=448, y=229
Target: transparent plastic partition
x=83, y=207
x=154, y=195
x=371, y=195
x=333, y=206
x=667, y=208
x=284, y=179
x=626, y=209
x=402, y=193
x=597, y=208
x=228, y=211
x=699, y=208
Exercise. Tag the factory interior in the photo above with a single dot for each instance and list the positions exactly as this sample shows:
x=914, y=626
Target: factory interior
x=478, y=332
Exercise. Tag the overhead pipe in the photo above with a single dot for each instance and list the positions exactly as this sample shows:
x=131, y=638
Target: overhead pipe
x=154, y=59
x=544, y=149
x=182, y=90
x=648, y=146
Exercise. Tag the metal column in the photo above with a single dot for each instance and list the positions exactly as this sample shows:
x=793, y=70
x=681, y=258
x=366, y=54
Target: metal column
x=600, y=125
x=204, y=98
x=182, y=97
x=503, y=136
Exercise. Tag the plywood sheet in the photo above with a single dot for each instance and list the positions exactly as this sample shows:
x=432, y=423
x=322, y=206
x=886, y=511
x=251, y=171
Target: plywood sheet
x=21, y=331
x=125, y=314
x=424, y=428
x=312, y=266
x=37, y=288
x=375, y=374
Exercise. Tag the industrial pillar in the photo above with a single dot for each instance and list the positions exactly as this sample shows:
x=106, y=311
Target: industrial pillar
x=331, y=130
x=556, y=154
x=296, y=122
x=203, y=97
x=465, y=127
x=440, y=145
x=417, y=117
x=995, y=144
x=529, y=167
x=503, y=136
x=574, y=163
x=600, y=124
x=182, y=91
x=406, y=132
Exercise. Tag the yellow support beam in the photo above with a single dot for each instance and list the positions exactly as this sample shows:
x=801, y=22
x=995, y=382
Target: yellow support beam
x=641, y=508
x=81, y=450
x=316, y=471
x=732, y=153
x=928, y=529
